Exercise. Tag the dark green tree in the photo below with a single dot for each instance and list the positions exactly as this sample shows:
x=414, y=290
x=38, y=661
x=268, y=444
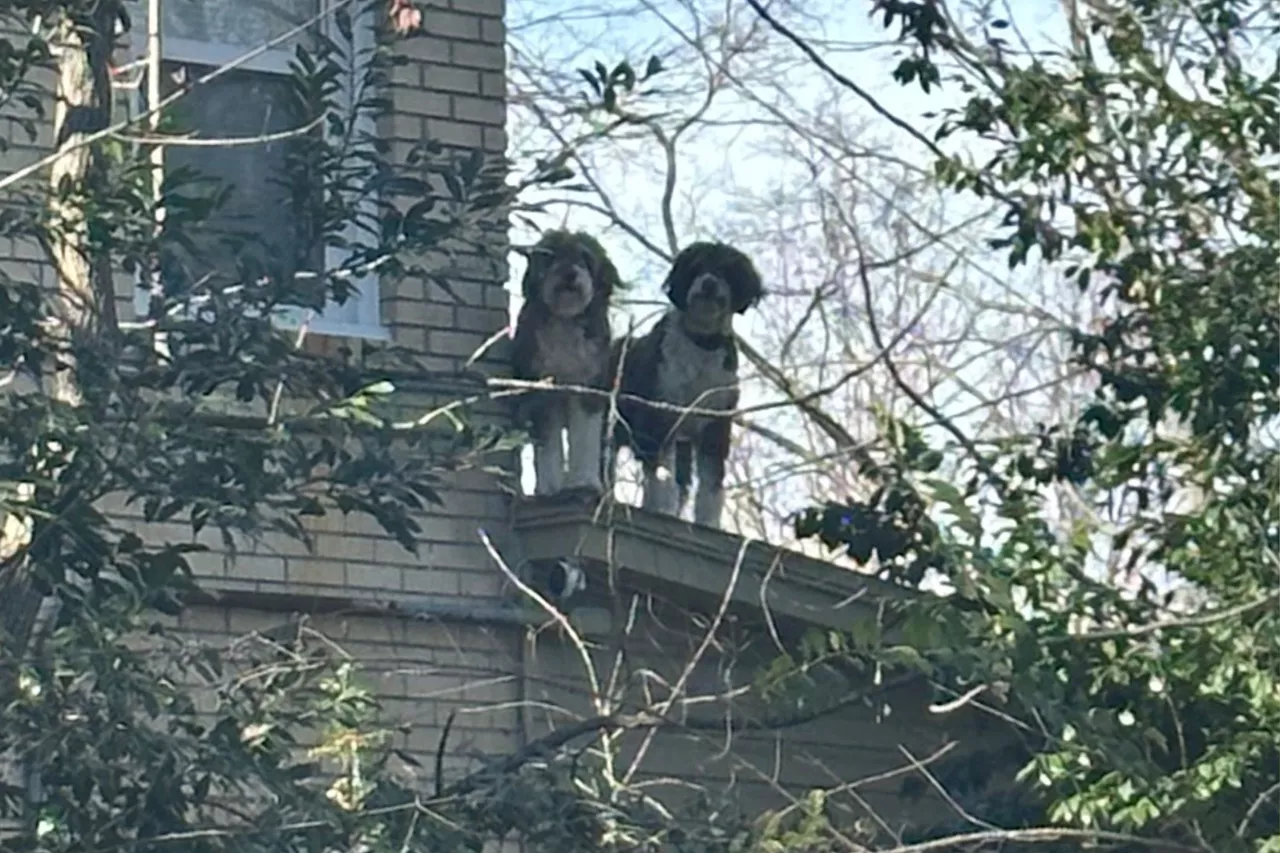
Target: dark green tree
x=116, y=734
x=1136, y=634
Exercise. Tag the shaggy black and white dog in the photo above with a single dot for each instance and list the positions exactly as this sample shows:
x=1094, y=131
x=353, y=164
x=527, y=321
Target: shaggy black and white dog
x=562, y=333
x=689, y=359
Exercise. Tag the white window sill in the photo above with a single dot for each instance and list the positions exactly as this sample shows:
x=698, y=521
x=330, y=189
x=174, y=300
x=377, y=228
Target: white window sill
x=361, y=331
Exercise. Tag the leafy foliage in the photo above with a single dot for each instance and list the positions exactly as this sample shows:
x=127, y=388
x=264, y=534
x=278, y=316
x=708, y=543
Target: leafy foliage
x=207, y=414
x=1115, y=579
x=119, y=729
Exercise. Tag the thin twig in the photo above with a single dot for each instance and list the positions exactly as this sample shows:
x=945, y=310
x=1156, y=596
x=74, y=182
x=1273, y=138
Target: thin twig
x=678, y=688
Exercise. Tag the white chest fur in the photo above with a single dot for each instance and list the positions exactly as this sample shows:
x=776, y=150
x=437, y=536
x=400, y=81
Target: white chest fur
x=565, y=353
x=689, y=375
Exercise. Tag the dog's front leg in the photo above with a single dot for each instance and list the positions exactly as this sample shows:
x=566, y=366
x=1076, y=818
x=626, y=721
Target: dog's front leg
x=586, y=437
x=661, y=494
x=548, y=449
x=710, y=454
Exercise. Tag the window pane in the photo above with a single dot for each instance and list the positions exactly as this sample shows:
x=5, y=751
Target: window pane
x=243, y=23
x=239, y=104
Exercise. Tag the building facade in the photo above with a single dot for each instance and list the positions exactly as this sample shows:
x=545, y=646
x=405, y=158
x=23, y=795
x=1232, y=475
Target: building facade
x=445, y=636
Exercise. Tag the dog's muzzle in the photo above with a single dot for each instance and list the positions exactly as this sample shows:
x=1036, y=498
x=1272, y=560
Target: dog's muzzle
x=711, y=296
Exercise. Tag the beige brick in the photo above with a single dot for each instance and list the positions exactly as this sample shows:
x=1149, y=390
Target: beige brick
x=413, y=337
x=495, y=139
x=426, y=49
x=455, y=343
x=316, y=570
x=479, y=110
x=207, y=563
x=407, y=74
x=282, y=546
x=486, y=320
x=446, y=78
x=401, y=149
x=27, y=250
x=406, y=289
x=361, y=524
x=465, y=551
x=400, y=125
x=256, y=567
x=496, y=296
x=42, y=139
x=488, y=584
x=493, y=31
x=388, y=551
x=22, y=271
x=431, y=581
x=493, y=85
x=18, y=157
x=421, y=313
x=451, y=24
x=358, y=548
x=240, y=622
x=454, y=133
x=374, y=576
x=440, y=528
x=487, y=56
x=422, y=102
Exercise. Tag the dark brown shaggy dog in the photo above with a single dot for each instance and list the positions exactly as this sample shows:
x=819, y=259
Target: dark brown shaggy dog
x=563, y=333
x=689, y=359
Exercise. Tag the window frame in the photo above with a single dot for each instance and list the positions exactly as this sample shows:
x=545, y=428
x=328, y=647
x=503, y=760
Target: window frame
x=368, y=324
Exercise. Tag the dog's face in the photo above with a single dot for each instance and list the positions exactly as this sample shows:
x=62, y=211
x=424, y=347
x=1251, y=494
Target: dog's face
x=709, y=283
x=568, y=273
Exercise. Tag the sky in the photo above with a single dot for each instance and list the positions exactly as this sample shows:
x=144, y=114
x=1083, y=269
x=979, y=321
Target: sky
x=744, y=157
x=721, y=164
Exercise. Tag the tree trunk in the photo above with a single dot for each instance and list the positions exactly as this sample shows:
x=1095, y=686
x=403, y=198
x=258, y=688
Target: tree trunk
x=85, y=295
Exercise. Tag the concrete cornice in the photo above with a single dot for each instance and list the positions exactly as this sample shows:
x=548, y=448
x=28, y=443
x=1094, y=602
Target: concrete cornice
x=700, y=559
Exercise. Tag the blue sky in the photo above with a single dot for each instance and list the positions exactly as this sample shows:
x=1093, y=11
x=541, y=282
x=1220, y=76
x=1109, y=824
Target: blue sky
x=970, y=327
x=741, y=157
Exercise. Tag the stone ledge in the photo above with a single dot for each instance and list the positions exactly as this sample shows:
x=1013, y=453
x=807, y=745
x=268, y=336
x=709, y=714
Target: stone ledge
x=311, y=600
x=698, y=559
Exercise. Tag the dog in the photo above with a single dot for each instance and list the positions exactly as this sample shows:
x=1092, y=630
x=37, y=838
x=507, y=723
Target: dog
x=689, y=359
x=562, y=333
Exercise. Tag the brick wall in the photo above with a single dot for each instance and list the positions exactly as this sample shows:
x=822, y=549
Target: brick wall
x=452, y=90
x=423, y=671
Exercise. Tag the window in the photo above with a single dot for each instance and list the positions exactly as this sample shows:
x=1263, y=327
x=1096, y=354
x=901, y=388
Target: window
x=249, y=101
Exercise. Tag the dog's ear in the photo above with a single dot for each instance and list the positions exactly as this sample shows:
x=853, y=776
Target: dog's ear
x=538, y=261
x=680, y=278
x=604, y=274
x=607, y=279
x=747, y=287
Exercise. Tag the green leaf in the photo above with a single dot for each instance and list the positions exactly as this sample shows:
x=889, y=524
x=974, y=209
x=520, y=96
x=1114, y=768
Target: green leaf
x=905, y=656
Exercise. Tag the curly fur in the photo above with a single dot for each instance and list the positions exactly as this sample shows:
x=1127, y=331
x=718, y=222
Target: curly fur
x=562, y=333
x=689, y=359
x=719, y=258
